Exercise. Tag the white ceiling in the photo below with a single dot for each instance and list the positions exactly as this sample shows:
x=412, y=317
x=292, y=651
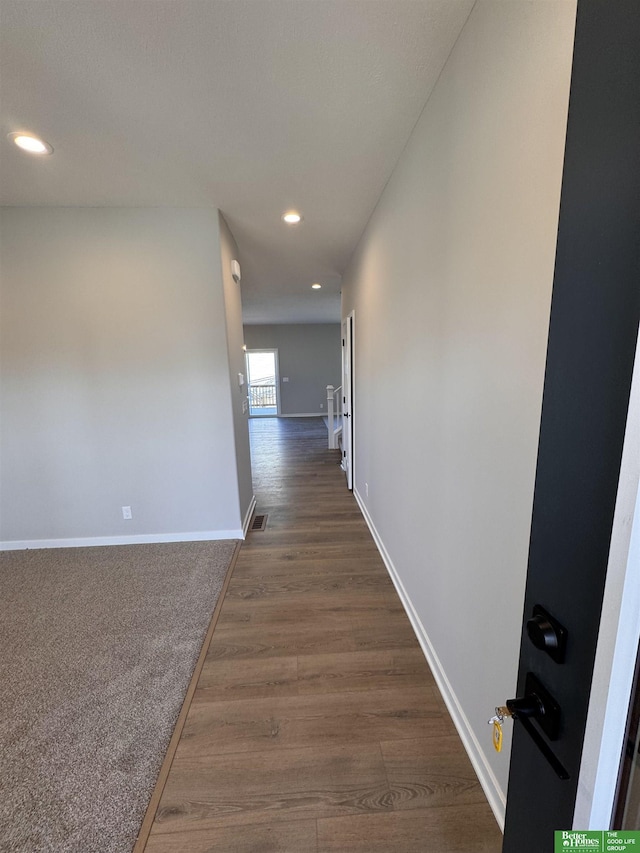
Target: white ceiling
x=252, y=106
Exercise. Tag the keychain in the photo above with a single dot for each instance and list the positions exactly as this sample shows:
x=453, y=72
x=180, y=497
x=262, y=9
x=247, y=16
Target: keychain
x=497, y=735
x=496, y=721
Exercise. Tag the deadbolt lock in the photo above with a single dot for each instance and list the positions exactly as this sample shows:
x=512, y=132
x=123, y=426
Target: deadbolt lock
x=547, y=634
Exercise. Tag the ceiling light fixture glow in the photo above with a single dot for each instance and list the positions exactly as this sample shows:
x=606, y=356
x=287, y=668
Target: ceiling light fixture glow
x=292, y=217
x=316, y=286
x=31, y=143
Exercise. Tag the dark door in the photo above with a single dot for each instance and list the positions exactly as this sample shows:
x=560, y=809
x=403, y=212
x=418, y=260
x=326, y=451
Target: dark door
x=592, y=336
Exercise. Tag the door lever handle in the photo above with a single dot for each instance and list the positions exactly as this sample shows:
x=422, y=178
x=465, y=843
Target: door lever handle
x=544, y=748
x=539, y=705
x=526, y=706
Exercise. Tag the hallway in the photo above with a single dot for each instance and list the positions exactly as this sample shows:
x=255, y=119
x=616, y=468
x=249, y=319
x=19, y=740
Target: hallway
x=316, y=726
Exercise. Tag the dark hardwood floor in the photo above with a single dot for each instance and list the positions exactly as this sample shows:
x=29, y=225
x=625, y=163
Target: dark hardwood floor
x=316, y=726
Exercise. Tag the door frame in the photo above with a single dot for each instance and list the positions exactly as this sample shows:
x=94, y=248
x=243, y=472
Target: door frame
x=618, y=640
x=347, y=331
x=274, y=350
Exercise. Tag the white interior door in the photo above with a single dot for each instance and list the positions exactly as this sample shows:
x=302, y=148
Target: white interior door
x=347, y=398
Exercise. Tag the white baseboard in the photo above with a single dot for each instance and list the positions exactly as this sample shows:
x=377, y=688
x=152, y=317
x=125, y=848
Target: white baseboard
x=247, y=517
x=136, y=539
x=486, y=776
x=305, y=415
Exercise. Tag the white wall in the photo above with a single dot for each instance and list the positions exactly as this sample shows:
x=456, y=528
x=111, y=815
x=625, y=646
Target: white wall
x=451, y=286
x=115, y=377
x=309, y=355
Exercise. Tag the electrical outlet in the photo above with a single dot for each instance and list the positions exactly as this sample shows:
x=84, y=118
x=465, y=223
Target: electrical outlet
x=366, y=489
x=126, y=512
x=322, y=405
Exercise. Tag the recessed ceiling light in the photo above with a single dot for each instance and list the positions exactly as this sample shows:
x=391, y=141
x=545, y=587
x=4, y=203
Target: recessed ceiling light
x=291, y=217
x=31, y=143
x=316, y=286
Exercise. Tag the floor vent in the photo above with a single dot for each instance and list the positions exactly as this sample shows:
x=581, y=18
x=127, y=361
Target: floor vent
x=259, y=522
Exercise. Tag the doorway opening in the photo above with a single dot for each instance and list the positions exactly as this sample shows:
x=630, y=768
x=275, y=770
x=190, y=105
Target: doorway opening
x=262, y=381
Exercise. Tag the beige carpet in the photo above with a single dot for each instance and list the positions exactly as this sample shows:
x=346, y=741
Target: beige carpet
x=97, y=647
